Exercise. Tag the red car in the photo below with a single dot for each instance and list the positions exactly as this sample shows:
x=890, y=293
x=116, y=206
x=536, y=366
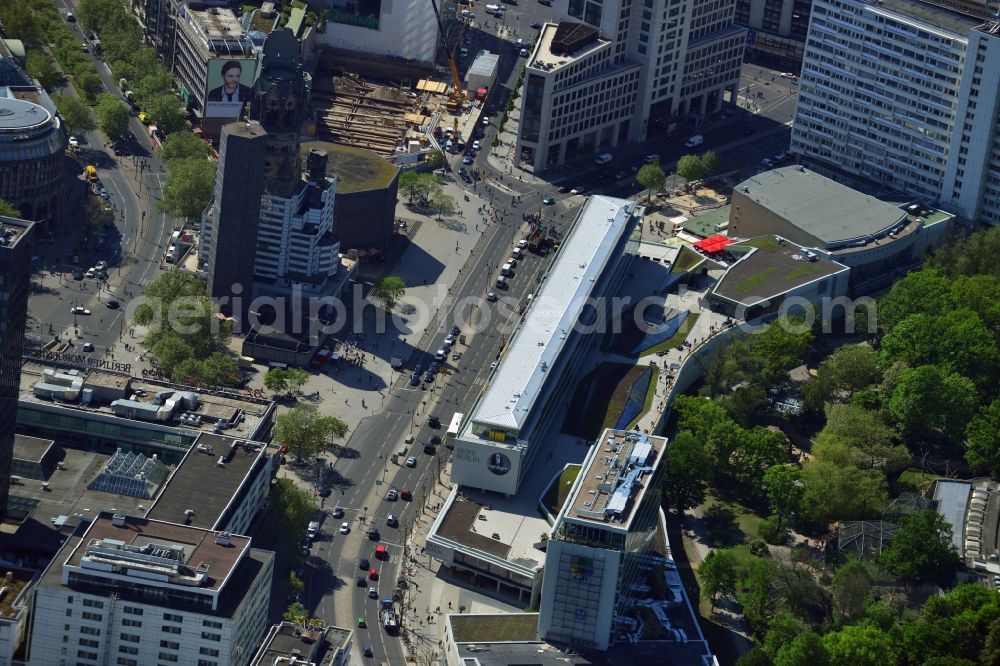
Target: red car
x=380, y=552
x=406, y=495
x=373, y=574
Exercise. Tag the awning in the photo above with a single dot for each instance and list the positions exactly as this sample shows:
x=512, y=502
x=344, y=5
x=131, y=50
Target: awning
x=713, y=244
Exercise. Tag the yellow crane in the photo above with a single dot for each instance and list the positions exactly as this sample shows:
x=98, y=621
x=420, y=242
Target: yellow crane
x=457, y=97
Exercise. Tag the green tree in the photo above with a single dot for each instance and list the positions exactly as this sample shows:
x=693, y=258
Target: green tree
x=295, y=584
x=112, y=116
x=39, y=66
x=652, y=178
x=296, y=377
x=689, y=167
x=19, y=21
x=8, y=210
x=806, y=649
x=921, y=292
x=754, y=657
x=861, y=646
x=983, y=439
x=757, y=450
x=219, y=369
x=387, y=291
x=717, y=574
x=188, y=189
x=932, y=407
x=921, y=549
x=296, y=613
x=849, y=591
x=848, y=369
x=305, y=431
x=833, y=492
x=417, y=187
x=75, y=113
x=165, y=111
x=711, y=163
x=974, y=254
x=276, y=380
x=434, y=159
x=442, y=204
x=784, y=489
x=687, y=467
x=186, y=371
x=867, y=434
x=184, y=145
x=759, y=595
x=784, y=628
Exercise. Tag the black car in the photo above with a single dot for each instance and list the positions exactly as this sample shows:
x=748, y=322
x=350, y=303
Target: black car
x=414, y=379
x=464, y=174
x=113, y=305
x=78, y=275
x=429, y=449
x=536, y=26
x=455, y=330
x=363, y=563
x=361, y=582
x=435, y=439
x=368, y=651
x=564, y=189
x=428, y=377
x=374, y=535
x=434, y=422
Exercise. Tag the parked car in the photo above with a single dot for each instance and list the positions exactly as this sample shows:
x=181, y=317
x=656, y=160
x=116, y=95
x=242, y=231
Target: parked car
x=491, y=297
x=101, y=265
x=467, y=160
x=563, y=189
x=536, y=26
x=88, y=346
x=766, y=163
x=787, y=75
x=428, y=377
x=548, y=201
x=411, y=462
x=579, y=189
x=414, y=379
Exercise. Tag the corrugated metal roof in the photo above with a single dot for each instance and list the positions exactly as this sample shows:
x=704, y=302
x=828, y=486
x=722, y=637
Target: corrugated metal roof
x=952, y=498
x=485, y=64
x=539, y=340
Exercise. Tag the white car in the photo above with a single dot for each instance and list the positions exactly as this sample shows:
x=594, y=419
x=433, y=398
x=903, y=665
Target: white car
x=345, y=528
x=91, y=272
x=373, y=593
x=475, y=144
x=411, y=462
x=522, y=244
x=787, y=75
x=577, y=190
x=101, y=265
x=75, y=142
x=491, y=297
x=392, y=495
x=450, y=340
x=80, y=311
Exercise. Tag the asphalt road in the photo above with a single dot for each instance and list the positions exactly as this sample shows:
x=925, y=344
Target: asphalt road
x=133, y=249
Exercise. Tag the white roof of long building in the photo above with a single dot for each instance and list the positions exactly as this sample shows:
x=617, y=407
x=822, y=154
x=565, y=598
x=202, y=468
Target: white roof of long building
x=583, y=256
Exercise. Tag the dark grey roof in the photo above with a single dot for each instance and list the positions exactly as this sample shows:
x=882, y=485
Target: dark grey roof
x=821, y=207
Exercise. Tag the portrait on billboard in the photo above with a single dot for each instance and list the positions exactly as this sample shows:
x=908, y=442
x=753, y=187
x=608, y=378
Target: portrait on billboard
x=228, y=87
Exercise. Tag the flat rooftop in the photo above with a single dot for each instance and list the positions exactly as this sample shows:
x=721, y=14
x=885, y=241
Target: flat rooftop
x=18, y=114
x=507, y=527
x=544, y=58
x=290, y=640
x=12, y=230
x=535, y=347
x=14, y=581
x=527, y=652
x=933, y=15
x=356, y=169
x=771, y=270
x=823, y=208
x=952, y=499
x=217, y=22
x=615, y=477
x=211, y=407
x=200, y=547
x=201, y=485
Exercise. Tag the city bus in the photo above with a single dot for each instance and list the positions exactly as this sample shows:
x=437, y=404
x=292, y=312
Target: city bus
x=452, y=434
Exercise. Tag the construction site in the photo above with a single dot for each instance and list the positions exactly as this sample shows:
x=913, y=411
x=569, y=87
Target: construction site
x=386, y=105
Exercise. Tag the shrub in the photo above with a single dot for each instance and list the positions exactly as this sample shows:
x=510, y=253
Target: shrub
x=773, y=532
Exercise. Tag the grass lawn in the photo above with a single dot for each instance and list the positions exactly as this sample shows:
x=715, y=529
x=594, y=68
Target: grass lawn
x=595, y=394
x=750, y=284
x=559, y=490
x=763, y=242
x=686, y=260
x=802, y=271
x=914, y=480
x=746, y=520
x=677, y=337
x=494, y=628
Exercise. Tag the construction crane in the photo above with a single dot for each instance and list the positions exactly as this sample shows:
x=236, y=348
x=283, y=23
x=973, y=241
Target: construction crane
x=457, y=97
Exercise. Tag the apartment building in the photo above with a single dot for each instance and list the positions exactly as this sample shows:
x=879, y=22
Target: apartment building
x=777, y=28
x=130, y=591
x=904, y=93
x=623, y=71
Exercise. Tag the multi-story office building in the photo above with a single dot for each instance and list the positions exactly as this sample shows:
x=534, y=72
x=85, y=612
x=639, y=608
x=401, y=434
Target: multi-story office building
x=15, y=279
x=131, y=591
x=498, y=441
x=228, y=240
x=621, y=71
x=903, y=93
x=778, y=28
x=607, y=547
x=214, y=64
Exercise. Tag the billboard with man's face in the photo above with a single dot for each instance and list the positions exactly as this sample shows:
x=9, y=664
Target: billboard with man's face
x=228, y=86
